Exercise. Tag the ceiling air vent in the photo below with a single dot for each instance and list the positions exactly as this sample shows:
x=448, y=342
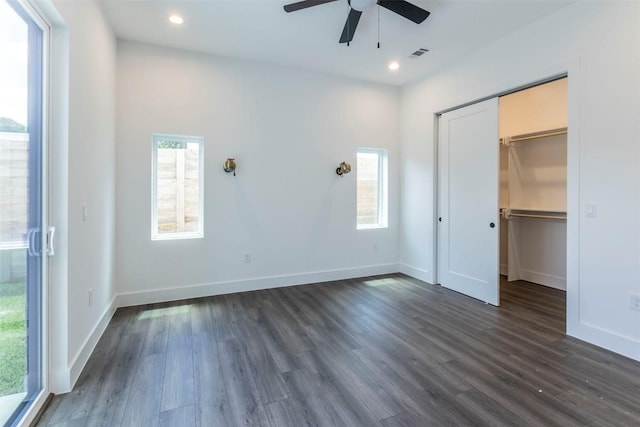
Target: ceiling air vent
x=418, y=53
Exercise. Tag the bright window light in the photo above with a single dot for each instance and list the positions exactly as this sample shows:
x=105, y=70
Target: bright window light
x=176, y=19
x=177, y=181
x=371, y=188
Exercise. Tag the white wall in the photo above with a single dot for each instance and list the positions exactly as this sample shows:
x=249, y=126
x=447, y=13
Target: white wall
x=598, y=43
x=82, y=171
x=288, y=131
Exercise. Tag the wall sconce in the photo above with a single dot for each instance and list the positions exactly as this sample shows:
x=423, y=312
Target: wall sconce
x=343, y=168
x=230, y=166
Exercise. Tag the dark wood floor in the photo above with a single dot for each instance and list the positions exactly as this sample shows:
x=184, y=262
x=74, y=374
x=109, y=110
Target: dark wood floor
x=383, y=351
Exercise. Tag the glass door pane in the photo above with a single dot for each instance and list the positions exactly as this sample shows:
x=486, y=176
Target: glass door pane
x=21, y=255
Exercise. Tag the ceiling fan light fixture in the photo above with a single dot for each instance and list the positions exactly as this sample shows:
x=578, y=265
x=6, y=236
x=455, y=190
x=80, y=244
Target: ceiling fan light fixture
x=360, y=5
x=393, y=65
x=176, y=19
x=400, y=7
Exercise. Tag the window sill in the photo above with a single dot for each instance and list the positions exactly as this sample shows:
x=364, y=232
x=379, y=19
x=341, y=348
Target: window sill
x=177, y=236
x=370, y=226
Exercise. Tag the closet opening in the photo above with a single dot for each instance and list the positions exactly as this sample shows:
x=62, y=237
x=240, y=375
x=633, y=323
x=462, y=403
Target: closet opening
x=533, y=127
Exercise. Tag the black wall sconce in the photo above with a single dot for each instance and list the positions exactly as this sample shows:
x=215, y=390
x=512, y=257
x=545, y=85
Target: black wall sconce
x=344, y=168
x=230, y=166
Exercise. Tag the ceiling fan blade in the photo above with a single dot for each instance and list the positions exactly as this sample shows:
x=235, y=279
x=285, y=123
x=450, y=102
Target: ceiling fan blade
x=350, y=26
x=405, y=9
x=304, y=4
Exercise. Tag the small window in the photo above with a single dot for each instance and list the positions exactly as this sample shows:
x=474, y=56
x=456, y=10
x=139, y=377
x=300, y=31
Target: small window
x=177, y=205
x=372, y=188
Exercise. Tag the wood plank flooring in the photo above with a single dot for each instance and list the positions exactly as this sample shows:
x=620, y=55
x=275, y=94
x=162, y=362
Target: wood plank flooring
x=384, y=351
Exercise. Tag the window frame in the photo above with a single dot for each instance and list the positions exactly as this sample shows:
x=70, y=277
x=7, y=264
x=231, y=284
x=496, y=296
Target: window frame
x=199, y=234
x=383, y=171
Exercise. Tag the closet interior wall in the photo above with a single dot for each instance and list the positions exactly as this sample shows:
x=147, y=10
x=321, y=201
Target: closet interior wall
x=533, y=184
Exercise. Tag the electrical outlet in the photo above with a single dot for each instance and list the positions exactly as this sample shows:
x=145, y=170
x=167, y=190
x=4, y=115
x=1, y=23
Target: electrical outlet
x=90, y=297
x=635, y=302
x=247, y=258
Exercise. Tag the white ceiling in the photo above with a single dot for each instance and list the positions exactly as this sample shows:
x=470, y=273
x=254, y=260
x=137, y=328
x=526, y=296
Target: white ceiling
x=260, y=30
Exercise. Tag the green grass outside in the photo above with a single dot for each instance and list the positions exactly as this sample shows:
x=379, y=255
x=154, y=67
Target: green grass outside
x=13, y=342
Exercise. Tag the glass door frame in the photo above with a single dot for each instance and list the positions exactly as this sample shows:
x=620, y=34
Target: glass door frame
x=37, y=263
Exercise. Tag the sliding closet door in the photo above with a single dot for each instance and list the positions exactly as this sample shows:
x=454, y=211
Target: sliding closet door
x=468, y=222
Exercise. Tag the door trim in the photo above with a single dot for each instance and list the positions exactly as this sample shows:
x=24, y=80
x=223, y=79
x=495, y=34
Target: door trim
x=572, y=150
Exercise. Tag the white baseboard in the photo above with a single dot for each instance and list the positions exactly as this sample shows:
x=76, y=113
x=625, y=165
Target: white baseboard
x=59, y=381
x=81, y=358
x=549, y=280
x=417, y=273
x=606, y=339
x=254, y=284
x=65, y=380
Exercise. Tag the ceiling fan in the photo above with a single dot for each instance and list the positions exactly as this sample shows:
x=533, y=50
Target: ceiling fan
x=401, y=7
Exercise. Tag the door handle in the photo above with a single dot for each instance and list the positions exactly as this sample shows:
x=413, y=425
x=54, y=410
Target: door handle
x=51, y=232
x=439, y=219
x=31, y=242
x=492, y=225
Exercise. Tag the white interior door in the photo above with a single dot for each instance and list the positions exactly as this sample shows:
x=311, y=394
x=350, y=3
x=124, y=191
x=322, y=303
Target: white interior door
x=468, y=222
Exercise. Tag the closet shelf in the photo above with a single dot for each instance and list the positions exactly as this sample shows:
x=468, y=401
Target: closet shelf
x=534, y=135
x=532, y=213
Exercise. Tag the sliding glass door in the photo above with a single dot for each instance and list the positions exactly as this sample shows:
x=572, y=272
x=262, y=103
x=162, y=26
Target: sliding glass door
x=22, y=251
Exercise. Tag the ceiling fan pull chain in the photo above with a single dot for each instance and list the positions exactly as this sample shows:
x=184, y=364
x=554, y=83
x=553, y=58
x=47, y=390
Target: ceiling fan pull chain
x=349, y=22
x=378, y=25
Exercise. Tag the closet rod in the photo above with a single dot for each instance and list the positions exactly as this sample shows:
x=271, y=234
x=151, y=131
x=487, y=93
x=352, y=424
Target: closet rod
x=532, y=213
x=536, y=135
x=535, y=216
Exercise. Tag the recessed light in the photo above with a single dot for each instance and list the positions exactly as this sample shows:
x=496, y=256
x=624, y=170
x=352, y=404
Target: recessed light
x=393, y=65
x=176, y=19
